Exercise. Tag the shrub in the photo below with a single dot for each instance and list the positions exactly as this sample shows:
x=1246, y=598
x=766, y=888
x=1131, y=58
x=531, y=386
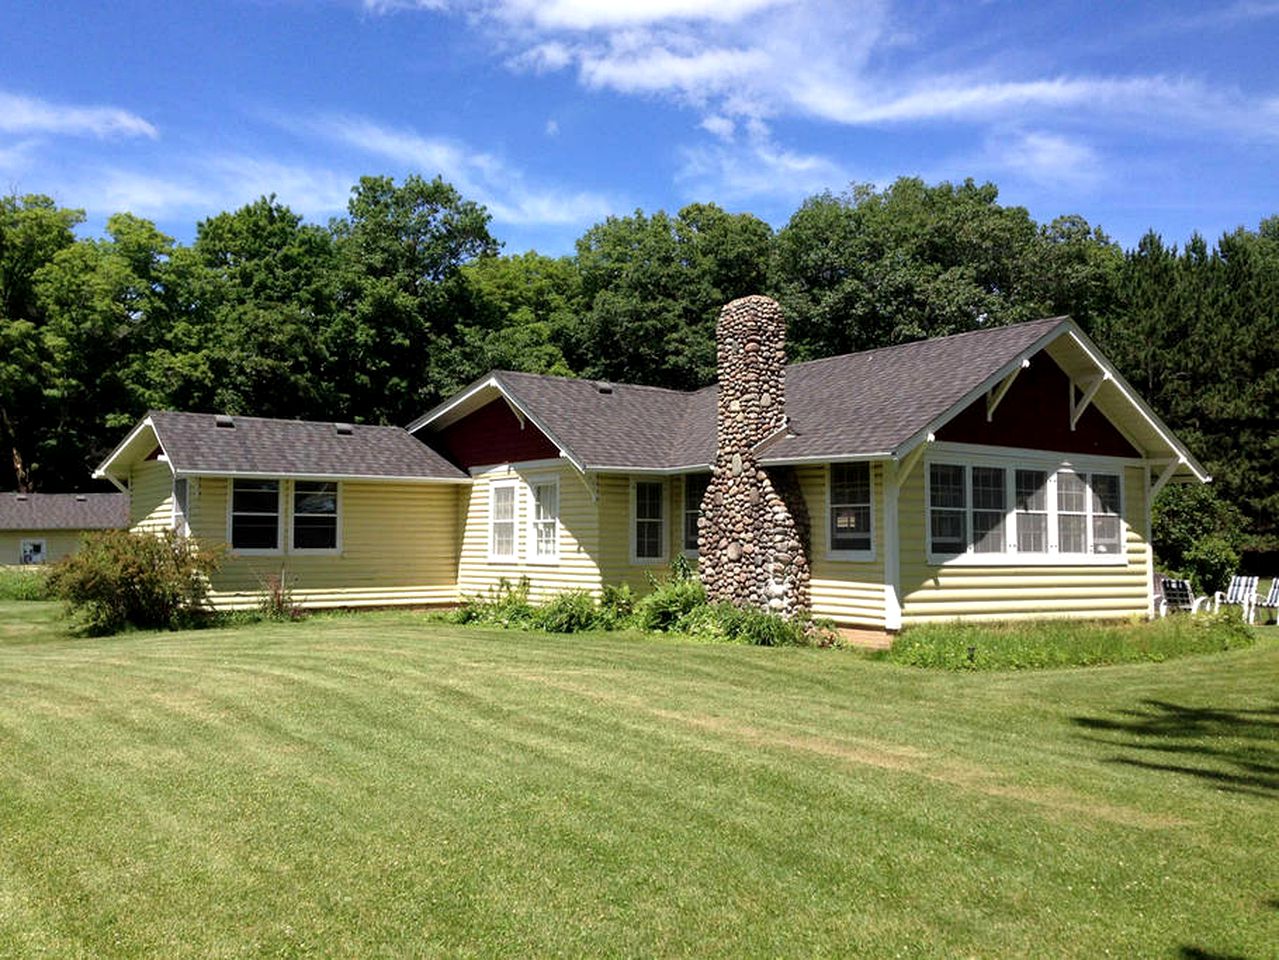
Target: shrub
x=726, y=622
x=569, y=612
x=505, y=605
x=119, y=579
x=617, y=607
x=1196, y=535
x=276, y=601
x=1063, y=643
x=668, y=603
x=24, y=583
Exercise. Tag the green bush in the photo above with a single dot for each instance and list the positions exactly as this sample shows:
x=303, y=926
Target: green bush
x=24, y=583
x=1065, y=643
x=668, y=603
x=1196, y=535
x=505, y=605
x=617, y=607
x=569, y=612
x=726, y=622
x=118, y=579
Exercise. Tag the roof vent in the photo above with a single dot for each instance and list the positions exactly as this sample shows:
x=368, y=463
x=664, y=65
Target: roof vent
x=344, y=429
x=20, y=496
x=604, y=388
x=81, y=498
x=225, y=422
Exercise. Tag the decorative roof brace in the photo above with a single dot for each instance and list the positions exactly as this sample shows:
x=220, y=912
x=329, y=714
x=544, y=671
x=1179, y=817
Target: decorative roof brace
x=1090, y=388
x=996, y=393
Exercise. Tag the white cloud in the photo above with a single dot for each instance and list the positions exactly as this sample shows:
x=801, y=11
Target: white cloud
x=720, y=126
x=480, y=176
x=203, y=186
x=28, y=115
x=757, y=169
x=552, y=127
x=1047, y=159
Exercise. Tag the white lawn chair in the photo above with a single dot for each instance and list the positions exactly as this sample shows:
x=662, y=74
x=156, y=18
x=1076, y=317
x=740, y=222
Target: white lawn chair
x=1272, y=598
x=1242, y=592
x=1177, y=595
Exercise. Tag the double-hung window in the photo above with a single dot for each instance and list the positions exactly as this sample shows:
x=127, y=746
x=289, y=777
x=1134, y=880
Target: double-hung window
x=695, y=486
x=981, y=509
x=315, y=515
x=502, y=533
x=545, y=535
x=255, y=515
x=850, y=508
x=650, y=521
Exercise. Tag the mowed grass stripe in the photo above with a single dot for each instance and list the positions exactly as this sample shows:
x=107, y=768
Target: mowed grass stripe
x=379, y=785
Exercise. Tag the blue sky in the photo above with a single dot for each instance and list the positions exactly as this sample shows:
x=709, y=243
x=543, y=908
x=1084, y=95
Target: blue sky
x=557, y=113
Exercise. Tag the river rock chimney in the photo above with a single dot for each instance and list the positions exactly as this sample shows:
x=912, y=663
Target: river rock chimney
x=752, y=536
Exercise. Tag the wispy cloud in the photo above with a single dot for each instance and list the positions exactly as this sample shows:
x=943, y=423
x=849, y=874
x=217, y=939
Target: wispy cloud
x=503, y=188
x=755, y=167
x=1046, y=159
x=30, y=115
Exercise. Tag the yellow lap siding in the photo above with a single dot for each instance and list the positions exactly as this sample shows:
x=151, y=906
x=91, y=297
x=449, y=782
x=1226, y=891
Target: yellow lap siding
x=575, y=568
x=399, y=546
x=934, y=592
x=616, y=517
x=848, y=592
x=57, y=544
x=151, y=497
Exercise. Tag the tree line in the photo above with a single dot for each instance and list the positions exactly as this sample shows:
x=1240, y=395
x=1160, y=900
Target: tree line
x=379, y=314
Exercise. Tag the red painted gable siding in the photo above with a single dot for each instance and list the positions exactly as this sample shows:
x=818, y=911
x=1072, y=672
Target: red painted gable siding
x=492, y=434
x=1035, y=414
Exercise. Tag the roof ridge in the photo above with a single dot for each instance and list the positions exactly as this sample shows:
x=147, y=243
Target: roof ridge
x=592, y=380
x=246, y=416
x=915, y=343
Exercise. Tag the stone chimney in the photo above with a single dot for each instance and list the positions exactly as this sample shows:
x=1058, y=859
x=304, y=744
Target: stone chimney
x=752, y=537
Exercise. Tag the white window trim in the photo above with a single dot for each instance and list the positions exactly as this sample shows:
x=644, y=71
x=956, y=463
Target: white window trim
x=850, y=556
x=1032, y=460
x=493, y=487
x=279, y=520
x=182, y=521
x=691, y=553
x=44, y=551
x=666, y=520
x=530, y=522
x=316, y=551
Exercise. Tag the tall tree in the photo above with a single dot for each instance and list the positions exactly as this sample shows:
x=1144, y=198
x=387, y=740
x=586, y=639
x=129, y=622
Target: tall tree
x=392, y=346
x=653, y=286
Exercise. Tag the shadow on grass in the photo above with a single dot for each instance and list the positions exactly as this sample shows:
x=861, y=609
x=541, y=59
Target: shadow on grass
x=1236, y=750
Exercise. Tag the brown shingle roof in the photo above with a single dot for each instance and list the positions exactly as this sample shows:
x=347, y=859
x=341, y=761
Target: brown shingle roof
x=852, y=405
x=195, y=444
x=63, y=511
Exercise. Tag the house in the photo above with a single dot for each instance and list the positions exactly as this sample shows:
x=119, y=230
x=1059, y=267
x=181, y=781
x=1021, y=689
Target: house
x=1005, y=472
x=45, y=527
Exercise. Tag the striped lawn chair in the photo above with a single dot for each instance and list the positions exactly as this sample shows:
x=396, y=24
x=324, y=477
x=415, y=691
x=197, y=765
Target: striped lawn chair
x=1271, y=602
x=1242, y=592
x=1177, y=595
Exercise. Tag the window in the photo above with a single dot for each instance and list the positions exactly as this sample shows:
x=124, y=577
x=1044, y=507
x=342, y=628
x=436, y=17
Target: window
x=255, y=515
x=315, y=515
x=980, y=509
x=1030, y=498
x=695, y=486
x=32, y=552
x=1107, y=534
x=989, y=507
x=502, y=519
x=181, y=506
x=850, y=508
x=948, y=508
x=1072, y=513
x=650, y=524
x=546, y=513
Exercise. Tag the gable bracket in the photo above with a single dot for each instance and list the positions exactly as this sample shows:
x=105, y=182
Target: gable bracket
x=996, y=393
x=1090, y=388
x=906, y=465
x=1165, y=475
x=519, y=414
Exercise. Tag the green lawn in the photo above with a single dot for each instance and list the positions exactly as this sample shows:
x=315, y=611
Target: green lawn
x=383, y=786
